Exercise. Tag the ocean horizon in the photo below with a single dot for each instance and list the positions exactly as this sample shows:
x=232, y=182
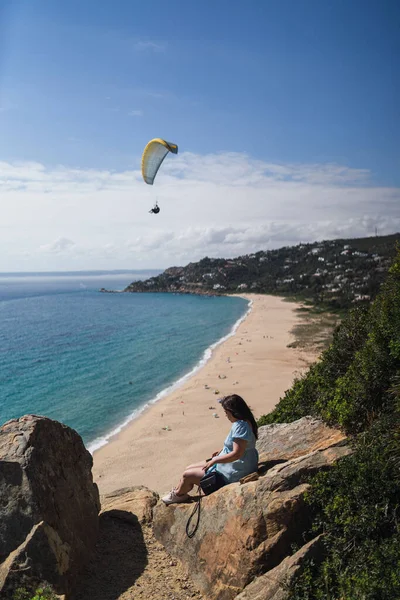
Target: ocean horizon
x=95, y=361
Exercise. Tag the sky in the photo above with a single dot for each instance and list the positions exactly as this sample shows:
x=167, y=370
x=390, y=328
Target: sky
x=286, y=115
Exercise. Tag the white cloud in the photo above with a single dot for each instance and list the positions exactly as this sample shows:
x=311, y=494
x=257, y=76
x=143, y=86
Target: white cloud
x=58, y=246
x=216, y=205
x=135, y=113
x=148, y=45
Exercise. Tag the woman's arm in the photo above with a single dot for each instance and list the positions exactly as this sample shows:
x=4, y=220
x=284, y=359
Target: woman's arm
x=239, y=448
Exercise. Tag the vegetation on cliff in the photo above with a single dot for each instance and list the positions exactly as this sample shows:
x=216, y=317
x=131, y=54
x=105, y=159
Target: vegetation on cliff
x=356, y=386
x=41, y=593
x=335, y=274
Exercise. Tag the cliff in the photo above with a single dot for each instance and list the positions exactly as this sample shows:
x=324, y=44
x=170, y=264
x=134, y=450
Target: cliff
x=50, y=523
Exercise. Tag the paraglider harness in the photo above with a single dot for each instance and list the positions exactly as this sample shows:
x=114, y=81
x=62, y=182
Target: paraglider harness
x=209, y=483
x=155, y=209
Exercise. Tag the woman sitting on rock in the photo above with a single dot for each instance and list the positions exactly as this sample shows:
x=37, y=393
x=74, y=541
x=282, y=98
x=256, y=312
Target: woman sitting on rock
x=237, y=459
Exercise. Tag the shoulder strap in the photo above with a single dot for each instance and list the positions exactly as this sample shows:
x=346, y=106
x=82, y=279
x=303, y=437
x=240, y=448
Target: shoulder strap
x=196, y=509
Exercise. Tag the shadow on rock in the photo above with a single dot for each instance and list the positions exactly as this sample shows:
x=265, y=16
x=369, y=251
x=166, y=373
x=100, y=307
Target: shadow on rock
x=120, y=558
x=266, y=465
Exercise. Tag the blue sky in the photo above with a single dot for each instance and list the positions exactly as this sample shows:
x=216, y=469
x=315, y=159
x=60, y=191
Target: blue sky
x=84, y=85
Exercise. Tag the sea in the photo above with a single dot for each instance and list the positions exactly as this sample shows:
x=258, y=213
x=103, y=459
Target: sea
x=94, y=360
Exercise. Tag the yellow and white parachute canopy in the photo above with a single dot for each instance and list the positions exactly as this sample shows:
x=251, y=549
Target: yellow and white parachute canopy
x=153, y=155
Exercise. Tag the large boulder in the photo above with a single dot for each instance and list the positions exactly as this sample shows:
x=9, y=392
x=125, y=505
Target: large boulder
x=134, y=504
x=247, y=530
x=49, y=504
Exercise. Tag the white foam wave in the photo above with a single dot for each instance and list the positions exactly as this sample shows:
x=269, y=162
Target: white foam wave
x=102, y=441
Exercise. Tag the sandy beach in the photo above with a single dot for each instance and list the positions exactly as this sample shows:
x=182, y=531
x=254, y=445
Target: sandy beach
x=188, y=424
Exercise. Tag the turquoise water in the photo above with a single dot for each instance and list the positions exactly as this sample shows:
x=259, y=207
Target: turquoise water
x=94, y=360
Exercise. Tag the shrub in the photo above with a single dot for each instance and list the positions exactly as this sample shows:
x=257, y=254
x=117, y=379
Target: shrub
x=356, y=507
x=42, y=593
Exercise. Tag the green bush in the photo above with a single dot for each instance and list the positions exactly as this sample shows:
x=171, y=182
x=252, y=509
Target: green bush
x=42, y=593
x=356, y=507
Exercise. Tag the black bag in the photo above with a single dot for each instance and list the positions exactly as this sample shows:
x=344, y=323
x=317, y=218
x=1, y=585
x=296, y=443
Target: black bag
x=209, y=483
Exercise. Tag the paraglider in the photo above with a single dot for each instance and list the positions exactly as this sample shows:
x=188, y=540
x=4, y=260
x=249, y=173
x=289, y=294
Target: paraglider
x=153, y=156
x=155, y=209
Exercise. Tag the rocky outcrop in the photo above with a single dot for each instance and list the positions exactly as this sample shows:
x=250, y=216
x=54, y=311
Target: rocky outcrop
x=248, y=530
x=290, y=440
x=274, y=584
x=134, y=504
x=48, y=504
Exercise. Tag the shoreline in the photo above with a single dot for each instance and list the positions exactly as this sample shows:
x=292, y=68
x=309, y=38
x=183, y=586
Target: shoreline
x=185, y=424
x=107, y=438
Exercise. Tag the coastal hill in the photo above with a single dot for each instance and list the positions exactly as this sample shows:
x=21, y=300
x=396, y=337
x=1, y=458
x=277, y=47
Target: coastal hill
x=337, y=273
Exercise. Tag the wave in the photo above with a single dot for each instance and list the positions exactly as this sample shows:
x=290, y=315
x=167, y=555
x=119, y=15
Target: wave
x=207, y=354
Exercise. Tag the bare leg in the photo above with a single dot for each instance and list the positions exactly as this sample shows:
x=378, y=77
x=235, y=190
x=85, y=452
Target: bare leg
x=196, y=465
x=191, y=477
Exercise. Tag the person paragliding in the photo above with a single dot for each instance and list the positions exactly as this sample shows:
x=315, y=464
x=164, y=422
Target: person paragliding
x=153, y=155
x=155, y=209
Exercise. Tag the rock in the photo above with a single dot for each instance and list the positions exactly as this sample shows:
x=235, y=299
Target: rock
x=37, y=559
x=134, y=504
x=240, y=534
x=247, y=530
x=273, y=585
x=289, y=440
x=284, y=476
x=48, y=504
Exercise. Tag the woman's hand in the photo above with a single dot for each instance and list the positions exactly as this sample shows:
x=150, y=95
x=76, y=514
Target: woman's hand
x=216, y=453
x=208, y=464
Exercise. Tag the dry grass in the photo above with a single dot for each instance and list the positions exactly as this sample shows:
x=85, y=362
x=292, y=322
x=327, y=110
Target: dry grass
x=314, y=332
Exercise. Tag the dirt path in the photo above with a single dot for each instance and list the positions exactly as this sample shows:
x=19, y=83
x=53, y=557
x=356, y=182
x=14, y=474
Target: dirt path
x=130, y=564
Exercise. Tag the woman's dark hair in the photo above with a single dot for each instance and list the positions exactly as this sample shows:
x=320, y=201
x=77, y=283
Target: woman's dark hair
x=239, y=409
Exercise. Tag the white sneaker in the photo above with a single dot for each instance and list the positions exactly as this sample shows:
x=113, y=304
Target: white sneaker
x=173, y=497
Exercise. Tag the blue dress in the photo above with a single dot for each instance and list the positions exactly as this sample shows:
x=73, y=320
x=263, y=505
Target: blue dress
x=248, y=463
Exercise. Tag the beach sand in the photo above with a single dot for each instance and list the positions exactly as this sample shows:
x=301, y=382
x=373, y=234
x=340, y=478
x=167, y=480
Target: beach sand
x=255, y=363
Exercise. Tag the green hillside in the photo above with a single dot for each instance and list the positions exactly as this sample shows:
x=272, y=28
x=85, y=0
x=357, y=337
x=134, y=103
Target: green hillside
x=336, y=274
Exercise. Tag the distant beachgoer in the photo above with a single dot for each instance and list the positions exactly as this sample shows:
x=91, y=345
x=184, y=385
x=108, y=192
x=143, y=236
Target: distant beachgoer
x=237, y=458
